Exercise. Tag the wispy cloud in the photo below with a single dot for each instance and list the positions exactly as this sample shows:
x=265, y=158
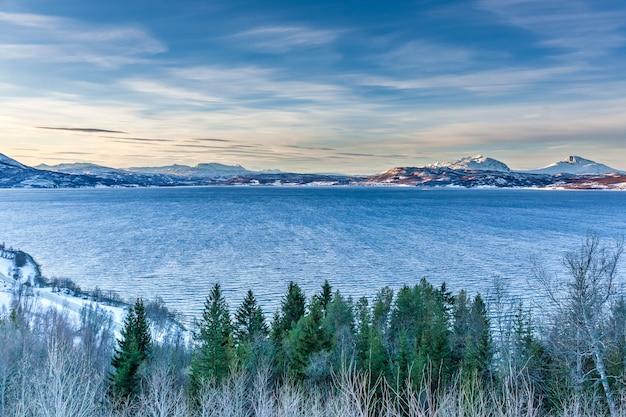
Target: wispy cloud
x=256, y=83
x=498, y=81
x=280, y=39
x=139, y=140
x=81, y=129
x=426, y=56
x=578, y=26
x=161, y=89
x=58, y=39
x=209, y=140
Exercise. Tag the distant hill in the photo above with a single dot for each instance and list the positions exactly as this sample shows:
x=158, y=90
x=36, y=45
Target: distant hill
x=209, y=170
x=14, y=174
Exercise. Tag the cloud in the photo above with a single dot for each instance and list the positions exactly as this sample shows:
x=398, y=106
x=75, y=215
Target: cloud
x=425, y=56
x=44, y=38
x=281, y=39
x=81, y=129
x=167, y=91
x=256, y=84
x=311, y=148
x=578, y=26
x=209, y=140
x=497, y=81
x=140, y=140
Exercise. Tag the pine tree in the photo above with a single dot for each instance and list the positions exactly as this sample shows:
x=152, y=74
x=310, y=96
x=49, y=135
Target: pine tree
x=214, y=351
x=291, y=311
x=133, y=349
x=250, y=320
x=477, y=350
x=339, y=324
x=251, y=330
x=307, y=338
x=293, y=307
x=326, y=296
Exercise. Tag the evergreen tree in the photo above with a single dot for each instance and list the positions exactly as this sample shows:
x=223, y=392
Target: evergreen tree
x=307, y=338
x=477, y=352
x=292, y=309
x=419, y=333
x=250, y=320
x=363, y=330
x=251, y=330
x=339, y=324
x=214, y=351
x=326, y=296
x=460, y=327
x=133, y=349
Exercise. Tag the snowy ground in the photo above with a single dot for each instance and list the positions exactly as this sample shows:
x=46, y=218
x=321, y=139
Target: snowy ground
x=62, y=299
x=46, y=297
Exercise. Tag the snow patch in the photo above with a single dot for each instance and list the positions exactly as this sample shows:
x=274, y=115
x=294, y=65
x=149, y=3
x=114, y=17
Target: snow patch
x=473, y=163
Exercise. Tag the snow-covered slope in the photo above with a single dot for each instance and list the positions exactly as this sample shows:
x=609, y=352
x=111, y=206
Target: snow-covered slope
x=575, y=165
x=79, y=168
x=6, y=162
x=473, y=163
x=209, y=170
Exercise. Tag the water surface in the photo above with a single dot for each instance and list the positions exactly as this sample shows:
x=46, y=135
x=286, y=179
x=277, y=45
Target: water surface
x=177, y=242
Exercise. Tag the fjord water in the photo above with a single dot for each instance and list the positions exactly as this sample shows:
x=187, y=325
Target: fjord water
x=177, y=242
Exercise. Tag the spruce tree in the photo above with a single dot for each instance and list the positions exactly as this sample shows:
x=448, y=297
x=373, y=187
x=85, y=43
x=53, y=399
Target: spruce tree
x=253, y=348
x=214, y=351
x=293, y=307
x=291, y=311
x=250, y=320
x=133, y=349
x=477, y=352
x=307, y=338
x=326, y=296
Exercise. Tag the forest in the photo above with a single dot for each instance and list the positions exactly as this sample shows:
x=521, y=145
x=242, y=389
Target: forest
x=419, y=350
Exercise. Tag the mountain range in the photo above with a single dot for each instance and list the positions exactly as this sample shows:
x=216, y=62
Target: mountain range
x=469, y=172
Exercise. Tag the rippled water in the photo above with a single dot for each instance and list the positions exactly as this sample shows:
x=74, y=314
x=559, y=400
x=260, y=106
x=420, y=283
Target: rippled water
x=177, y=242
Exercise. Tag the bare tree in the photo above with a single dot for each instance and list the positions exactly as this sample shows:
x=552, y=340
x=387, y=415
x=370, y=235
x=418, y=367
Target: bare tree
x=161, y=397
x=65, y=386
x=582, y=306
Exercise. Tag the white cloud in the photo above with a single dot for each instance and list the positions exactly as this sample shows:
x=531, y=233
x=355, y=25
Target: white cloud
x=575, y=25
x=490, y=82
x=425, y=56
x=163, y=90
x=57, y=39
x=259, y=85
x=280, y=39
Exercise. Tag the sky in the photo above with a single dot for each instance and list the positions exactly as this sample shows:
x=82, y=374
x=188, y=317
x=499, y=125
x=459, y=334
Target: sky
x=312, y=86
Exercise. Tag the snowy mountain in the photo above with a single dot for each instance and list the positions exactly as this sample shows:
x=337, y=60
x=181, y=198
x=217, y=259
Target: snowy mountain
x=473, y=163
x=6, y=162
x=79, y=168
x=209, y=170
x=16, y=175
x=120, y=176
x=433, y=176
x=469, y=172
x=575, y=165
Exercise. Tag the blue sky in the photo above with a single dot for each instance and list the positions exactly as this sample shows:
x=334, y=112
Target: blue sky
x=340, y=86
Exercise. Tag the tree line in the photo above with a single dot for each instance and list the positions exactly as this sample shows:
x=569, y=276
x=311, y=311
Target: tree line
x=419, y=350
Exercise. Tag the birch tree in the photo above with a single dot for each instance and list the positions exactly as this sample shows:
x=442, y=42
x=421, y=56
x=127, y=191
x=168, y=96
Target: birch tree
x=582, y=305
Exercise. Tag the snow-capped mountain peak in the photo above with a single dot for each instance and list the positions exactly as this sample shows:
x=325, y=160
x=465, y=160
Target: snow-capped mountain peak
x=5, y=160
x=473, y=163
x=576, y=165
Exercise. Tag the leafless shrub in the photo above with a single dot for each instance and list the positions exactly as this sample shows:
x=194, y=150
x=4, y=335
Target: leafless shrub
x=161, y=397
